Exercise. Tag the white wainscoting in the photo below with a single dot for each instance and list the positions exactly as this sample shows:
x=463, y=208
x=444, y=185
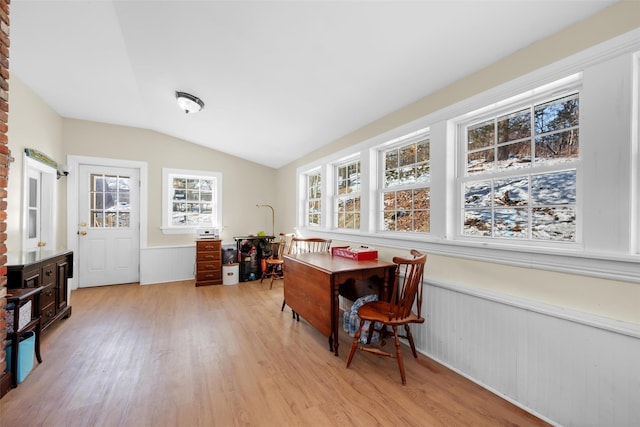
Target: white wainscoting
x=167, y=264
x=569, y=368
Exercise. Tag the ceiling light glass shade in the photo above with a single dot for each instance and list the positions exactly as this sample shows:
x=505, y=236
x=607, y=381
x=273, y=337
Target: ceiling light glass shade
x=189, y=103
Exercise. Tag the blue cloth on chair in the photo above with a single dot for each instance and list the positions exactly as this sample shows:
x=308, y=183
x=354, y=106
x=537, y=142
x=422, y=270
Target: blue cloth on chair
x=351, y=321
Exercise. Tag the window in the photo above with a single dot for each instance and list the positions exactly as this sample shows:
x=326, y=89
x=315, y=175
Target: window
x=313, y=212
x=540, y=171
x=404, y=196
x=109, y=201
x=347, y=200
x=191, y=199
x=519, y=179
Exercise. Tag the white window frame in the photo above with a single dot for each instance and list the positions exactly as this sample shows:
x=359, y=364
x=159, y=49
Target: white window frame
x=607, y=187
x=559, y=89
x=635, y=159
x=168, y=175
x=337, y=197
x=407, y=140
x=308, y=200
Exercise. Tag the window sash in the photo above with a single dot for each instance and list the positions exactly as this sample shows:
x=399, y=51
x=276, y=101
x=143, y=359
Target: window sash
x=404, y=189
x=192, y=199
x=496, y=194
x=347, y=200
x=313, y=200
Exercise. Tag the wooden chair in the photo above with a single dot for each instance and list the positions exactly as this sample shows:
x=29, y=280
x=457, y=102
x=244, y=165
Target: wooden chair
x=407, y=289
x=275, y=261
x=302, y=245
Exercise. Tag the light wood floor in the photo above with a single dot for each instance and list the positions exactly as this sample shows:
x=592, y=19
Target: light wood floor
x=176, y=355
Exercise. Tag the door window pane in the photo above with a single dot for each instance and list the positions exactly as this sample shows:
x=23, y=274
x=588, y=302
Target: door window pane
x=109, y=200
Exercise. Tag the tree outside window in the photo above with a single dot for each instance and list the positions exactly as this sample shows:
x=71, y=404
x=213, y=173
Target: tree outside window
x=405, y=194
x=314, y=199
x=191, y=200
x=520, y=176
x=347, y=205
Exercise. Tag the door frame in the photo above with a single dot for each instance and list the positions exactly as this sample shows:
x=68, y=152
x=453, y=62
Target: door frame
x=47, y=181
x=74, y=163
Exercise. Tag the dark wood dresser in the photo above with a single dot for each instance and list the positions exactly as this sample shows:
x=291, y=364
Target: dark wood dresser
x=208, y=262
x=49, y=270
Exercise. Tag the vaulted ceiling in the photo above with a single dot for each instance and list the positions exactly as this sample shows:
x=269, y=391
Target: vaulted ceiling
x=279, y=79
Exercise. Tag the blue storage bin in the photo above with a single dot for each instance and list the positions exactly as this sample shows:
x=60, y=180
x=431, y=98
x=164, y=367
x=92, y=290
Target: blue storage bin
x=26, y=354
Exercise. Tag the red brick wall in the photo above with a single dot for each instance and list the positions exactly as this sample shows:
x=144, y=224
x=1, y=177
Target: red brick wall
x=4, y=167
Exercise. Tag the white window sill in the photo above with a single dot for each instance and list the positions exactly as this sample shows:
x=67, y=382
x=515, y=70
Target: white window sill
x=613, y=266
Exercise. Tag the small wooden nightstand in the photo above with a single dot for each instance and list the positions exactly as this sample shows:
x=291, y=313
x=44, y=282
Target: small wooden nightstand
x=208, y=262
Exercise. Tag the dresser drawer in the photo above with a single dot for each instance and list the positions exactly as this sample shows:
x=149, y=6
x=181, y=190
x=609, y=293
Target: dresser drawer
x=208, y=246
x=204, y=276
x=208, y=256
x=48, y=274
x=48, y=296
x=48, y=313
x=208, y=266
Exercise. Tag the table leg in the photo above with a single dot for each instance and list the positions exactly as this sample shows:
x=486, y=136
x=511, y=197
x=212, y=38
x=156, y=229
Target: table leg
x=335, y=321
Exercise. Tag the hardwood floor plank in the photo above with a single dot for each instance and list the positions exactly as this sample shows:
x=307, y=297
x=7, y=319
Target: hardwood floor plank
x=176, y=355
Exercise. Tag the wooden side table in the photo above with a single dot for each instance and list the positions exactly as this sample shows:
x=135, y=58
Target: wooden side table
x=19, y=297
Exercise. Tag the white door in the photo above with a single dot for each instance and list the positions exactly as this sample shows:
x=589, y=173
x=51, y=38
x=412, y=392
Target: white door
x=39, y=184
x=108, y=225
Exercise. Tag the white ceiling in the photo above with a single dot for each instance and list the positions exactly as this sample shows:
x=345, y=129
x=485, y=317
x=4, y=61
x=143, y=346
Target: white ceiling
x=279, y=79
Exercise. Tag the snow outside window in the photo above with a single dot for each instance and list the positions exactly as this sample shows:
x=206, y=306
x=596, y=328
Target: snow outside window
x=191, y=199
x=520, y=169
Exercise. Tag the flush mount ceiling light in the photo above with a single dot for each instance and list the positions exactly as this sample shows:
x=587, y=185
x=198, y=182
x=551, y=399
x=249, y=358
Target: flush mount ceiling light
x=189, y=103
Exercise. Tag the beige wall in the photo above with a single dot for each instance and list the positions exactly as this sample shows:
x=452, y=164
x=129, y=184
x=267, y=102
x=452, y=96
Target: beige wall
x=606, y=298
x=244, y=183
x=32, y=124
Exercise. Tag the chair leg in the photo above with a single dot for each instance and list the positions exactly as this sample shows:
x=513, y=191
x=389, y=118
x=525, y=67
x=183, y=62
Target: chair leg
x=271, y=284
x=411, y=343
x=399, y=355
x=354, y=344
x=283, y=304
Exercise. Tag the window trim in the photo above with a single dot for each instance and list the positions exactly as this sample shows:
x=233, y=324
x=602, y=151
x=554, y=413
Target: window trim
x=378, y=216
x=169, y=173
x=614, y=257
x=561, y=88
x=306, y=176
x=346, y=162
